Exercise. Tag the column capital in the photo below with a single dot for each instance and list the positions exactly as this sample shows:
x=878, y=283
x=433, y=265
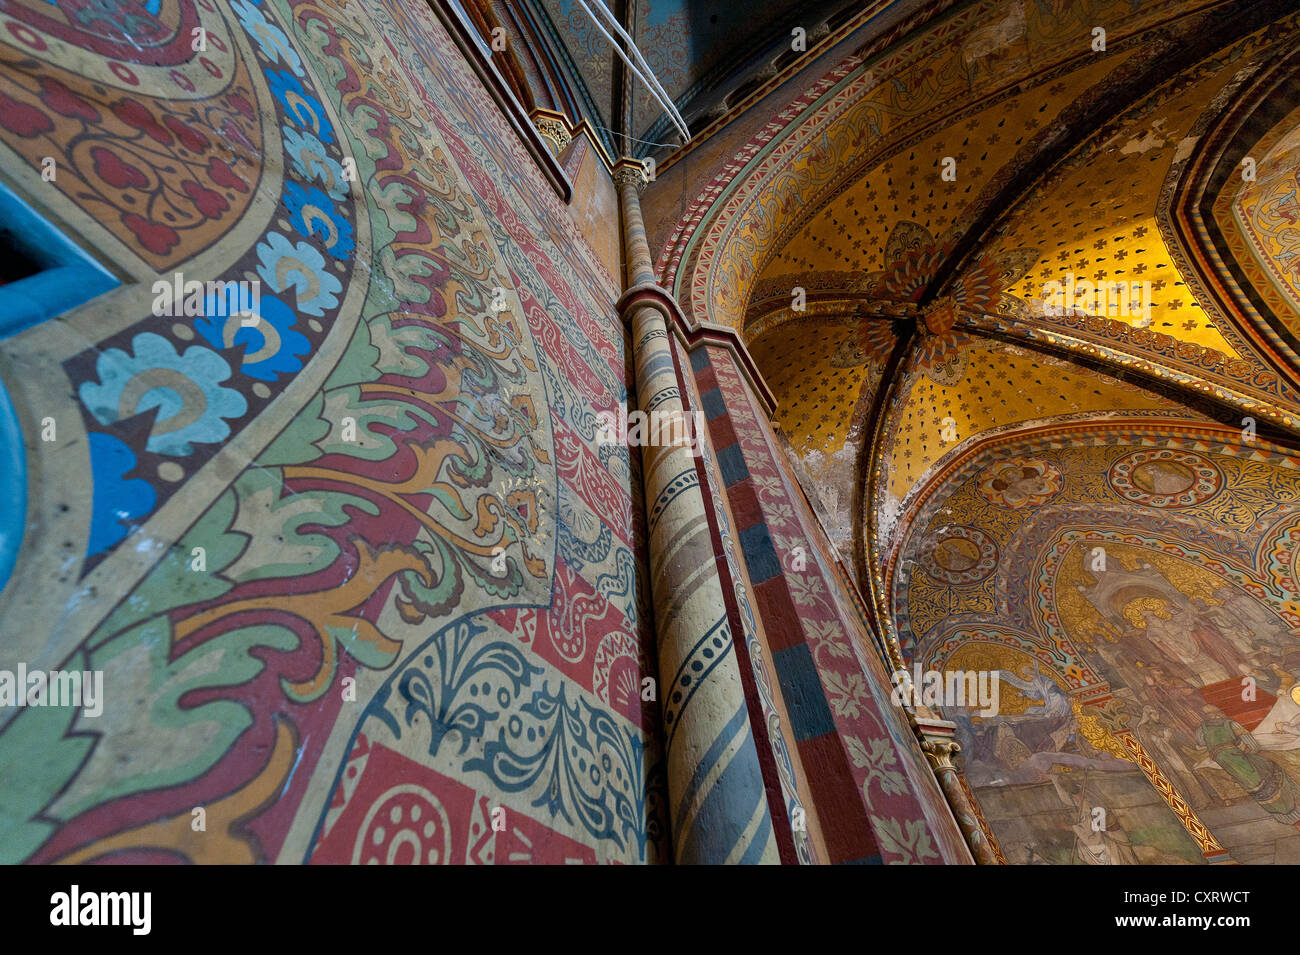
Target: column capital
x=937, y=736
x=940, y=752
x=628, y=171
x=939, y=743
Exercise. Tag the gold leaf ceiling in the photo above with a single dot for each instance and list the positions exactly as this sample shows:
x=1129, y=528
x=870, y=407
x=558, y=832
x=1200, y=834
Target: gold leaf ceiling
x=1096, y=219
x=851, y=232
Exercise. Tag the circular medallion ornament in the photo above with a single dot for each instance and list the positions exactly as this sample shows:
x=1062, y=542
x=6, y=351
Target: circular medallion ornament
x=407, y=825
x=1165, y=478
x=1020, y=482
x=959, y=555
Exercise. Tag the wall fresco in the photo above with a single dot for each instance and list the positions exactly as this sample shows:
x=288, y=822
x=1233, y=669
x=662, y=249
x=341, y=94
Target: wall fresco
x=418, y=627
x=1132, y=585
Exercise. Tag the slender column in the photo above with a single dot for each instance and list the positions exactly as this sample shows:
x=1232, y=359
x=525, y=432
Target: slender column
x=640, y=267
x=717, y=801
x=979, y=817
x=939, y=748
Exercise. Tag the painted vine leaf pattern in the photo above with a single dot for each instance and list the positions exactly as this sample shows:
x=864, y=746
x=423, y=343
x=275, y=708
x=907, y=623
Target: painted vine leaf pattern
x=871, y=733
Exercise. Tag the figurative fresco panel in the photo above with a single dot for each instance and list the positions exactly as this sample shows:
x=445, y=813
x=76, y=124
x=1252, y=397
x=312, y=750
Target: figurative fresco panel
x=363, y=583
x=1133, y=587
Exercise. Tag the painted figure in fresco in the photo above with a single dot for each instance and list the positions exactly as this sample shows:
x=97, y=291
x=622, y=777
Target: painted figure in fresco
x=1020, y=484
x=1280, y=729
x=1247, y=621
x=1229, y=627
x=1179, y=704
x=1009, y=748
x=1170, y=718
x=1163, y=477
x=1026, y=747
x=1192, y=649
x=977, y=741
x=1053, y=720
x=1237, y=753
x=1158, y=623
x=956, y=554
x=1098, y=839
x=1179, y=656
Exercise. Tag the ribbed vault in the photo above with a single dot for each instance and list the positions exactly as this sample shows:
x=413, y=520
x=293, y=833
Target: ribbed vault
x=887, y=247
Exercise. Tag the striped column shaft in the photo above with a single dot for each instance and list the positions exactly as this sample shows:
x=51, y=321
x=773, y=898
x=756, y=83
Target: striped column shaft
x=716, y=795
x=640, y=267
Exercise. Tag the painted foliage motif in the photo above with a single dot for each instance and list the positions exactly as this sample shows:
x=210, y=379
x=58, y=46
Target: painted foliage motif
x=417, y=632
x=860, y=754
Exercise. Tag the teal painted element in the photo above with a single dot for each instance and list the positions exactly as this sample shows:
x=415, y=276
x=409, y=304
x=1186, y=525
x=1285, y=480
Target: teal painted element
x=64, y=275
x=13, y=487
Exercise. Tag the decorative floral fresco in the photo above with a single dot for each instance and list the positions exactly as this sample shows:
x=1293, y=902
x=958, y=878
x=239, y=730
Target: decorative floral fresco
x=322, y=486
x=361, y=580
x=1267, y=213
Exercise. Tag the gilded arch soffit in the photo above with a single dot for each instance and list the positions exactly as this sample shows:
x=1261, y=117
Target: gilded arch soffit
x=1228, y=210
x=1082, y=488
